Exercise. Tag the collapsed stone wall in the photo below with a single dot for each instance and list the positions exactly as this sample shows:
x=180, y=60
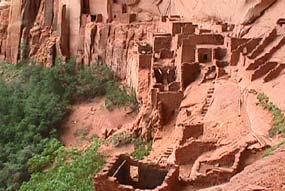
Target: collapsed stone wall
x=117, y=176
x=158, y=58
x=195, y=147
x=47, y=17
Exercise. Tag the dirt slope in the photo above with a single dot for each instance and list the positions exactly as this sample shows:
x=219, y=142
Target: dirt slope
x=266, y=174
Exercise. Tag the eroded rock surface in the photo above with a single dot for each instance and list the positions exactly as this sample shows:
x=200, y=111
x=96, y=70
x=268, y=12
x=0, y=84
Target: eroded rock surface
x=195, y=67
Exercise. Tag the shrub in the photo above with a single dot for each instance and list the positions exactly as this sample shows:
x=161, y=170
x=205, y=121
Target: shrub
x=279, y=118
x=142, y=148
x=119, y=139
x=270, y=150
x=33, y=102
x=71, y=169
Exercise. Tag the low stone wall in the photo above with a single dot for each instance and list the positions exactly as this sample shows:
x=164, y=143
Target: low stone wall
x=274, y=73
x=263, y=70
x=207, y=39
x=161, y=42
x=106, y=180
x=192, y=131
x=194, y=149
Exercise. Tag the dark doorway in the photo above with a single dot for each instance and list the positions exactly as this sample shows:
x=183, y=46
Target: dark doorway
x=85, y=7
x=140, y=176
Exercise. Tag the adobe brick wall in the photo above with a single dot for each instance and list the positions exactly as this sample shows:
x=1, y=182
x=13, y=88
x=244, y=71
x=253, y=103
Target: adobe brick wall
x=220, y=28
x=166, y=54
x=144, y=47
x=101, y=7
x=220, y=63
x=174, y=86
x=145, y=61
x=263, y=44
x=127, y=18
x=161, y=42
x=189, y=73
x=194, y=149
x=263, y=69
x=176, y=26
x=186, y=53
x=265, y=57
x=219, y=53
x=233, y=43
x=192, y=131
x=204, y=55
x=202, y=31
x=189, y=29
x=274, y=73
x=221, y=72
x=105, y=182
x=250, y=45
x=182, y=27
x=205, y=39
x=243, y=48
x=170, y=102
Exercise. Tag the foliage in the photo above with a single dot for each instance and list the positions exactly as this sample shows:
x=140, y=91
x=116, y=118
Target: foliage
x=279, y=118
x=117, y=96
x=142, y=148
x=103, y=82
x=29, y=112
x=270, y=150
x=263, y=99
x=33, y=102
x=24, y=47
x=82, y=133
x=46, y=158
x=71, y=169
x=119, y=139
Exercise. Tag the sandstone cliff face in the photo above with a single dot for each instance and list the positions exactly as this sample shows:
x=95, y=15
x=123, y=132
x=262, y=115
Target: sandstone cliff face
x=32, y=30
x=91, y=30
x=4, y=21
x=190, y=78
x=59, y=26
x=234, y=11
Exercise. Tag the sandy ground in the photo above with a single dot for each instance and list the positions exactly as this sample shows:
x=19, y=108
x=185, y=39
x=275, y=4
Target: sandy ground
x=91, y=119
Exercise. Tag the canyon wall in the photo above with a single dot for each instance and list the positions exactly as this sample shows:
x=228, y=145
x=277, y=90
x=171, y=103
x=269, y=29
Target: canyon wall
x=234, y=11
x=190, y=63
x=89, y=30
x=60, y=25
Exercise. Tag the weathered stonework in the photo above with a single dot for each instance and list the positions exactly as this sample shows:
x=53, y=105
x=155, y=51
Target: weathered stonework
x=127, y=174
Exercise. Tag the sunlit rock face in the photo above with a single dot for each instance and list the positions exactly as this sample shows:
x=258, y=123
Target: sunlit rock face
x=46, y=16
x=235, y=11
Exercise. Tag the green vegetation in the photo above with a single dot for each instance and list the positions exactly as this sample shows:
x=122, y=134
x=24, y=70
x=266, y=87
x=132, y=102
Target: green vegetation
x=270, y=150
x=82, y=133
x=117, y=96
x=278, y=123
x=279, y=118
x=33, y=102
x=142, y=148
x=119, y=139
x=24, y=47
x=69, y=169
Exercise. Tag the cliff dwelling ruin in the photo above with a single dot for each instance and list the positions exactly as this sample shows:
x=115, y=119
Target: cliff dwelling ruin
x=128, y=174
x=195, y=77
